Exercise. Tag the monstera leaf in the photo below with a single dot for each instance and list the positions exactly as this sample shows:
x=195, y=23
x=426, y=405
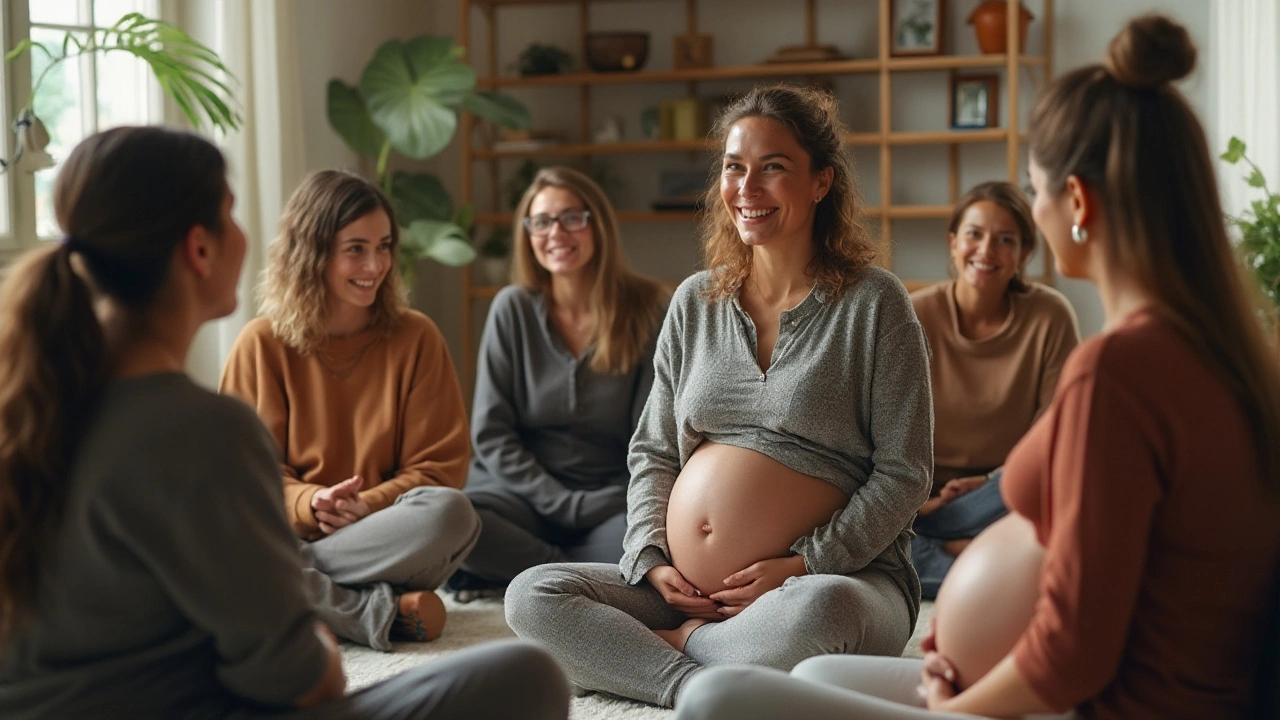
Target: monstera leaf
x=418, y=196
x=348, y=115
x=441, y=241
x=411, y=90
x=501, y=109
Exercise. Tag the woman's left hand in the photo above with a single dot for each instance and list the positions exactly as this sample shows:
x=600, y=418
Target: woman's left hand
x=937, y=681
x=747, y=585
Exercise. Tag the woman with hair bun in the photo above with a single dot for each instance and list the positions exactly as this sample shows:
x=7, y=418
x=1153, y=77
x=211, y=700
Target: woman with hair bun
x=1136, y=575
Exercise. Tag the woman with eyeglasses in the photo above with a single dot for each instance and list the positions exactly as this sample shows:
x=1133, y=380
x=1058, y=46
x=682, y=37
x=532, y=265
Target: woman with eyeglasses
x=565, y=367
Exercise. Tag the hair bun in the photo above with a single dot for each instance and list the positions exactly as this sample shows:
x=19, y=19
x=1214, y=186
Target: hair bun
x=1150, y=51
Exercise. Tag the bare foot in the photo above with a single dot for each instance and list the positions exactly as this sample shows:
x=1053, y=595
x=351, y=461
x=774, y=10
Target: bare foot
x=678, y=637
x=420, y=617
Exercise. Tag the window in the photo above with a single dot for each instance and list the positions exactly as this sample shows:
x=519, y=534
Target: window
x=75, y=99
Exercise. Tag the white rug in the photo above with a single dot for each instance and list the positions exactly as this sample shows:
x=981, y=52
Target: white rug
x=483, y=620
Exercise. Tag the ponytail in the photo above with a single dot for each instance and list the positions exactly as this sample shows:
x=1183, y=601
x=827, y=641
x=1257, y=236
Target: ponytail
x=53, y=350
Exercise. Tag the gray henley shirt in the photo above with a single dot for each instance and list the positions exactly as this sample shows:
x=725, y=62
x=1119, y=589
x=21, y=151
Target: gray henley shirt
x=846, y=398
x=546, y=426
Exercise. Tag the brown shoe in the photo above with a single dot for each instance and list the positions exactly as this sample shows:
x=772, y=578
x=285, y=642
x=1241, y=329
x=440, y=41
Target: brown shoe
x=420, y=617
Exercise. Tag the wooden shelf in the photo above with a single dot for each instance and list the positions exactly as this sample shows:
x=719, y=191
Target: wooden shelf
x=874, y=72
x=936, y=137
x=763, y=70
x=896, y=212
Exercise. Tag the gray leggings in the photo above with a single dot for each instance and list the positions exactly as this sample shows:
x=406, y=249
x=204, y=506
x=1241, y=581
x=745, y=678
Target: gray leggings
x=506, y=679
x=821, y=688
x=600, y=628
x=514, y=538
x=352, y=577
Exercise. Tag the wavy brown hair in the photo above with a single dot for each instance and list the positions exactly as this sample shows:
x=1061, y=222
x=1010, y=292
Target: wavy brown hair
x=842, y=245
x=293, y=293
x=125, y=198
x=627, y=305
x=1007, y=196
x=1124, y=130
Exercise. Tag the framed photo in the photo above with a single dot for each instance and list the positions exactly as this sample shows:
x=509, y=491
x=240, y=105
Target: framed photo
x=916, y=27
x=975, y=101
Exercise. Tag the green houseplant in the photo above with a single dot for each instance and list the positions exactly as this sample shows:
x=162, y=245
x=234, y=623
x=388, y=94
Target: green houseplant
x=189, y=72
x=407, y=102
x=1259, y=227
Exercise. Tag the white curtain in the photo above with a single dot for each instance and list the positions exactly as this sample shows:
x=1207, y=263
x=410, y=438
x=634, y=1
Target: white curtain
x=258, y=42
x=1246, y=66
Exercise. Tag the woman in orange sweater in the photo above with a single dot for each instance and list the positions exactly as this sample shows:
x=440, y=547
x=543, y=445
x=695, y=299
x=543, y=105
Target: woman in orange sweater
x=361, y=395
x=1144, y=500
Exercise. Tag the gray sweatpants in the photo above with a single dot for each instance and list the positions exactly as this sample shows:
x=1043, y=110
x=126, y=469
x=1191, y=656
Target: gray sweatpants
x=821, y=688
x=600, y=628
x=505, y=679
x=353, y=576
x=514, y=538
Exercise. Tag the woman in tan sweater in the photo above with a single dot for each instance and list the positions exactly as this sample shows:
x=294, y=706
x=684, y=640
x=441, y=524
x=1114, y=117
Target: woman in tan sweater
x=361, y=395
x=998, y=342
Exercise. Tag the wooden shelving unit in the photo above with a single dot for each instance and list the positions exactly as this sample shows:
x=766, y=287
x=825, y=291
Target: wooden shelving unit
x=882, y=66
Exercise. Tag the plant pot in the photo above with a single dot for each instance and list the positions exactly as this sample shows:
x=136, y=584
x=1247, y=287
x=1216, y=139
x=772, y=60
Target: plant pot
x=493, y=271
x=988, y=21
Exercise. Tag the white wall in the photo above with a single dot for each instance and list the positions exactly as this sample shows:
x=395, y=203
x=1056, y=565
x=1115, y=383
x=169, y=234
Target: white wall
x=346, y=33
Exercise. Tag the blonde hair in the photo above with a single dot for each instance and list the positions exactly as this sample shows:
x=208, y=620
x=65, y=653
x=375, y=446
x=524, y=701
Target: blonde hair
x=1123, y=129
x=627, y=305
x=126, y=198
x=843, y=247
x=293, y=293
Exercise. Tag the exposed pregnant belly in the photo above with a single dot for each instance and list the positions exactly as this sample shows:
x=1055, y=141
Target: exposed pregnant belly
x=988, y=597
x=732, y=507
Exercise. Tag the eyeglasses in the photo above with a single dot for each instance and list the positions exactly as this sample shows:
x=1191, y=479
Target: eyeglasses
x=570, y=221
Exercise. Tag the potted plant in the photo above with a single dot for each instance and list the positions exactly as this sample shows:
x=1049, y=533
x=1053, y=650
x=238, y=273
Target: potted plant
x=1259, y=229
x=187, y=71
x=408, y=102
x=539, y=59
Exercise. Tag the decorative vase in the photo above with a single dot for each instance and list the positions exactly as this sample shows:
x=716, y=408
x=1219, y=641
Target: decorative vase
x=988, y=21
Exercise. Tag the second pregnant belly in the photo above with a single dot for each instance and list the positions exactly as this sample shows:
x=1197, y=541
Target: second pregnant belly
x=731, y=507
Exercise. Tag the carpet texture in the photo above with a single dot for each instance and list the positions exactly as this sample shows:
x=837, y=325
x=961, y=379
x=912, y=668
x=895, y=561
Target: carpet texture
x=483, y=620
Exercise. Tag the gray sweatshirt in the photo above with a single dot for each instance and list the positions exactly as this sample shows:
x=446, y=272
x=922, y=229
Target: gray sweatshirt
x=846, y=398
x=544, y=425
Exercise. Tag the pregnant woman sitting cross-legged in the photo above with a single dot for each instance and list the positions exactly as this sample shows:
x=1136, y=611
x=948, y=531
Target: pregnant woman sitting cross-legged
x=785, y=446
x=361, y=396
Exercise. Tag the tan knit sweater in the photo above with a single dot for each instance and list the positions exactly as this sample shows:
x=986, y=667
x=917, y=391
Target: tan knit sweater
x=386, y=408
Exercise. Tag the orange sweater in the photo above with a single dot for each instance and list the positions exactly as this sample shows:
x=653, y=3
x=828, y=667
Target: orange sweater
x=386, y=408
x=1162, y=547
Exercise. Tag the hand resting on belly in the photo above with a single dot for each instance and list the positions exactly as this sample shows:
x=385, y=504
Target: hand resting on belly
x=732, y=507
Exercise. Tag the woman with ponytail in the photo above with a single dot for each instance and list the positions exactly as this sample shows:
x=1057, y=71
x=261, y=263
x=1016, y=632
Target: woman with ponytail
x=1136, y=574
x=146, y=567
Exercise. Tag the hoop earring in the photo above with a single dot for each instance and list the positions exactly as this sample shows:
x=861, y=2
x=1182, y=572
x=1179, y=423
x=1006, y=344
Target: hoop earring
x=1079, y=235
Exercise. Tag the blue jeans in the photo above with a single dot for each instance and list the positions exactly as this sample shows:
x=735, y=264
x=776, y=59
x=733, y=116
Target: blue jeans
x=964, y=517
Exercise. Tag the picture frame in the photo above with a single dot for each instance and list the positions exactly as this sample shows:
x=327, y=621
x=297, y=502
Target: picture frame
x=917, y=27
x=693, y=51
x=975, y=101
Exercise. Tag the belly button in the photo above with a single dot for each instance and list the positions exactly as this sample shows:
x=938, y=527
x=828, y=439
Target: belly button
x=706, y=528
